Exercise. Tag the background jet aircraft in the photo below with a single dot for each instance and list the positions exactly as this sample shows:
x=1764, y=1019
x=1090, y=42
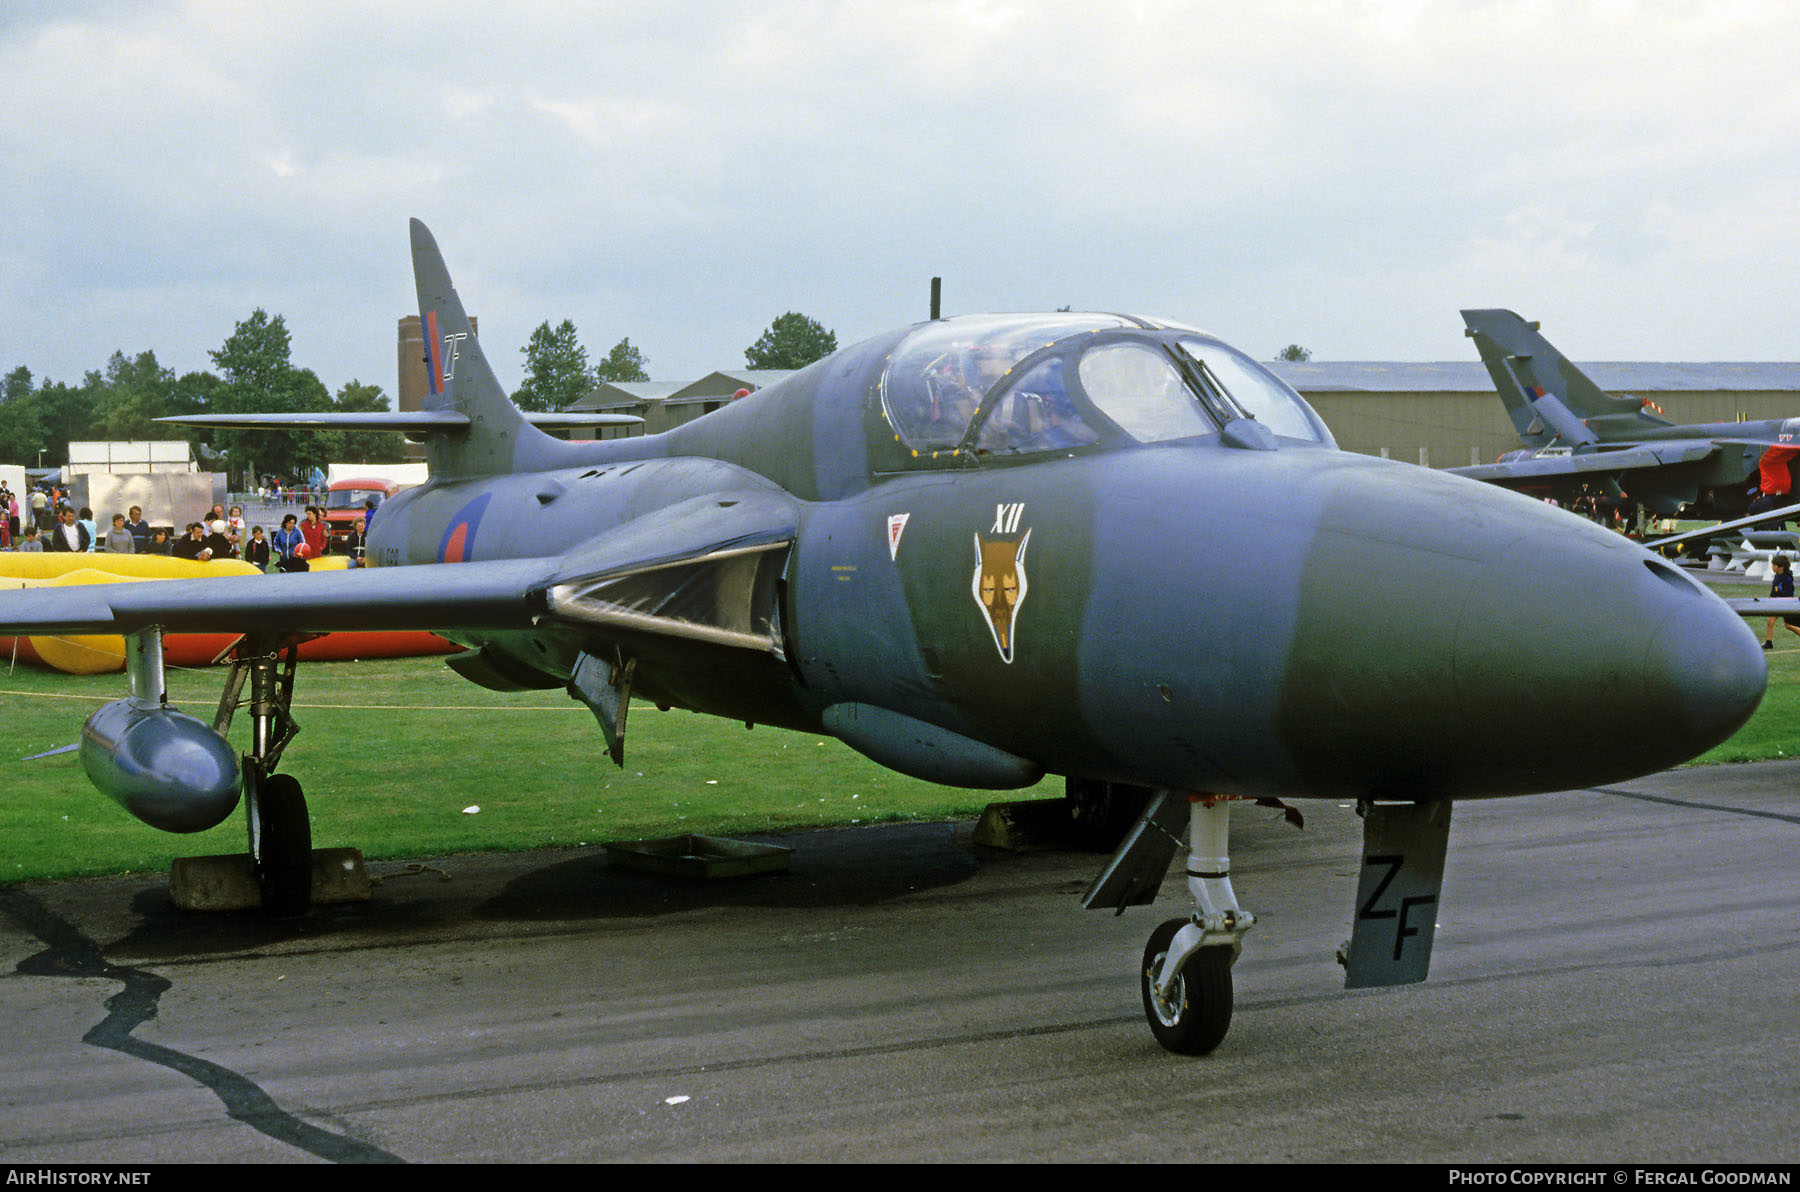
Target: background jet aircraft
x=980, y=550
x=1581, y=441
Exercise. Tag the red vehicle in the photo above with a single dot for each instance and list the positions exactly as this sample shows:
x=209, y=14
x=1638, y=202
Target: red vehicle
x=348, y=500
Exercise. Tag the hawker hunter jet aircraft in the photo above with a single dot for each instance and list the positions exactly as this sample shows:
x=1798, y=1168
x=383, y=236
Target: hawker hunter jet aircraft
x=1582, y=441
x=981, y=550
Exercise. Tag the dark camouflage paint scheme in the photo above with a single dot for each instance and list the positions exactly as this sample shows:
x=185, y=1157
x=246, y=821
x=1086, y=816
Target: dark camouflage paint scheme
x=1297, y=621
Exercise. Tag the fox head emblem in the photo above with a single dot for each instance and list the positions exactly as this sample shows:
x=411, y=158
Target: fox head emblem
x=999, y=587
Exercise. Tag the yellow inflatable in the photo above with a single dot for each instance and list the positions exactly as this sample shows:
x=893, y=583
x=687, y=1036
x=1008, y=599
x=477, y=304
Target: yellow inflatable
x=100, y=653
x=51, y=564
x=104, y=653
x=87, y=654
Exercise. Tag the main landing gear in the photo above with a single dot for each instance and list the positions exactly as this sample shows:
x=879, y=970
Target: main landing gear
x=274, y=806
x=1185, y=977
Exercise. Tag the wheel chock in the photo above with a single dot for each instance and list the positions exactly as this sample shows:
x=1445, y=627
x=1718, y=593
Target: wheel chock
x=1027, y=825
x=228, y=883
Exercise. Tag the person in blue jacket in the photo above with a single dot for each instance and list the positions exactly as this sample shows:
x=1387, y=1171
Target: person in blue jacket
x=287, y=543
x=1781, y=587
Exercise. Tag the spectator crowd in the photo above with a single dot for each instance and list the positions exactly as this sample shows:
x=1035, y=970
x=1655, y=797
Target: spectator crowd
x=44, y=520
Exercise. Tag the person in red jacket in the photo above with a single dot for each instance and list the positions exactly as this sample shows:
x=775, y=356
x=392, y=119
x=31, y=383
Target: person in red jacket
x=313, y=530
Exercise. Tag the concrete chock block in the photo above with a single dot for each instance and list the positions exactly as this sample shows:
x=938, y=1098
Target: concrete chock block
x=1025, y=826
x=228, y=883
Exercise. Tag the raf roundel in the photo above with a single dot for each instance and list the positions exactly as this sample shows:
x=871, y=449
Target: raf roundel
x=458, y=543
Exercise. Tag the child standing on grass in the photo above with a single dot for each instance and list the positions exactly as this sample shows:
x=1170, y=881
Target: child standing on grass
x=1781, y=587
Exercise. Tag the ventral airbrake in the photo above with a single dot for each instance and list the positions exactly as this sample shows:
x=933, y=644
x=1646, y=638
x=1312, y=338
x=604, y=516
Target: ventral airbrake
x=981, y=550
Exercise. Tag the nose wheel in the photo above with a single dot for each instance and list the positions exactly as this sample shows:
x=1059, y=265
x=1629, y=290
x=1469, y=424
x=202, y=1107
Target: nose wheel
x=1189, y=1014
x=1185, y=977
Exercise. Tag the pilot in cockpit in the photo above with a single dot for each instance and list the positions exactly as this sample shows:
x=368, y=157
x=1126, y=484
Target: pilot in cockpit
x=1036, y=414
x=953, y=397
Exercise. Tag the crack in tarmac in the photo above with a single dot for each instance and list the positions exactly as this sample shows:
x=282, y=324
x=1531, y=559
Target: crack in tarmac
x=71, y=954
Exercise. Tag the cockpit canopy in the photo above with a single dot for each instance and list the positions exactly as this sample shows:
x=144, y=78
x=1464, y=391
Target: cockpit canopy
x=1011, y=385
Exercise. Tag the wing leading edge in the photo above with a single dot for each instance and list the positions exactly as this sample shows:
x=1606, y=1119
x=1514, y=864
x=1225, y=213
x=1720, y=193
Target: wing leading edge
x=503, y=594
x=414, y=422
x=704, y=569
x=1751, y=607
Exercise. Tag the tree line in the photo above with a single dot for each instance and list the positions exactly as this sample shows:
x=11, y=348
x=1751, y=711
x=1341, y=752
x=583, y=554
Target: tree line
x=256, y=374
x=557, y=372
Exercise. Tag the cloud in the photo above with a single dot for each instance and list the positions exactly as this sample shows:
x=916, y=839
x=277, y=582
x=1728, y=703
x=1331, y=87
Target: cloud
x=1344, y=175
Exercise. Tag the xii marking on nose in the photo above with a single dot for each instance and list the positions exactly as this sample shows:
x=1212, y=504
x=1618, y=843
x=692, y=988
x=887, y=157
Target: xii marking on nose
x=1006, y=518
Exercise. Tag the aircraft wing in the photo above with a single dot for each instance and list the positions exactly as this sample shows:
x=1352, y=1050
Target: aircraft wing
x=1764, y=606
x=479, y=595
x=1590, y=463
x=412, y=422
x=704, y=569
x=1723, y=528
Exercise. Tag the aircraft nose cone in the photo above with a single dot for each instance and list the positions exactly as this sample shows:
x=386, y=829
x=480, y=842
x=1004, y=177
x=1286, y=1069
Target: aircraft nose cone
x=1495, y=646
x=1581, y=660
x=1709, y=671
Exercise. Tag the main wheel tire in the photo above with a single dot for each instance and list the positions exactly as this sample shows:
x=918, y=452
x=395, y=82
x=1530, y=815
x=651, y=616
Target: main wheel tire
x=1197, y=1013
x=283, y=847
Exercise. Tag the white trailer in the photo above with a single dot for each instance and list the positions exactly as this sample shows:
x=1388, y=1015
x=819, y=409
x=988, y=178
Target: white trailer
x=168, y=499
x=156, y=456
x=403, y=475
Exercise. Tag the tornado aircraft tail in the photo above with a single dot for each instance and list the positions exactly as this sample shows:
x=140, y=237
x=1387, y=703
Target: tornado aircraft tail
x=1550, y=401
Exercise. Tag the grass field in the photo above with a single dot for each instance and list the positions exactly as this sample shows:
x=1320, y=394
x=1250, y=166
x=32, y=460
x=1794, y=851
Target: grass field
x=396, y=755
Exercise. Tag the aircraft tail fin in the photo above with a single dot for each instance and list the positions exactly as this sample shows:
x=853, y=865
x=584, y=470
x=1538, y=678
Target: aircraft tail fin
x=469, y=426
x=498, y=437
x=1527, y=369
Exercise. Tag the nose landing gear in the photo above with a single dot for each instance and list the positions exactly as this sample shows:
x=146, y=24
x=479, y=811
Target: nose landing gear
x=1185, y=977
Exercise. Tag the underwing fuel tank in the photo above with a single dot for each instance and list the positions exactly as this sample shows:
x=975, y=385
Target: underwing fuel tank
x=167, y=768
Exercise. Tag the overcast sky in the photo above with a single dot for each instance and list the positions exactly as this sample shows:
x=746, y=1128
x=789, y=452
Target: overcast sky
x=1344, y=175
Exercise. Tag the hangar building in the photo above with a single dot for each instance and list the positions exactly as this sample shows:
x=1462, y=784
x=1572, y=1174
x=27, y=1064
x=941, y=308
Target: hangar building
x=663, y=404
x=1448, y=415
